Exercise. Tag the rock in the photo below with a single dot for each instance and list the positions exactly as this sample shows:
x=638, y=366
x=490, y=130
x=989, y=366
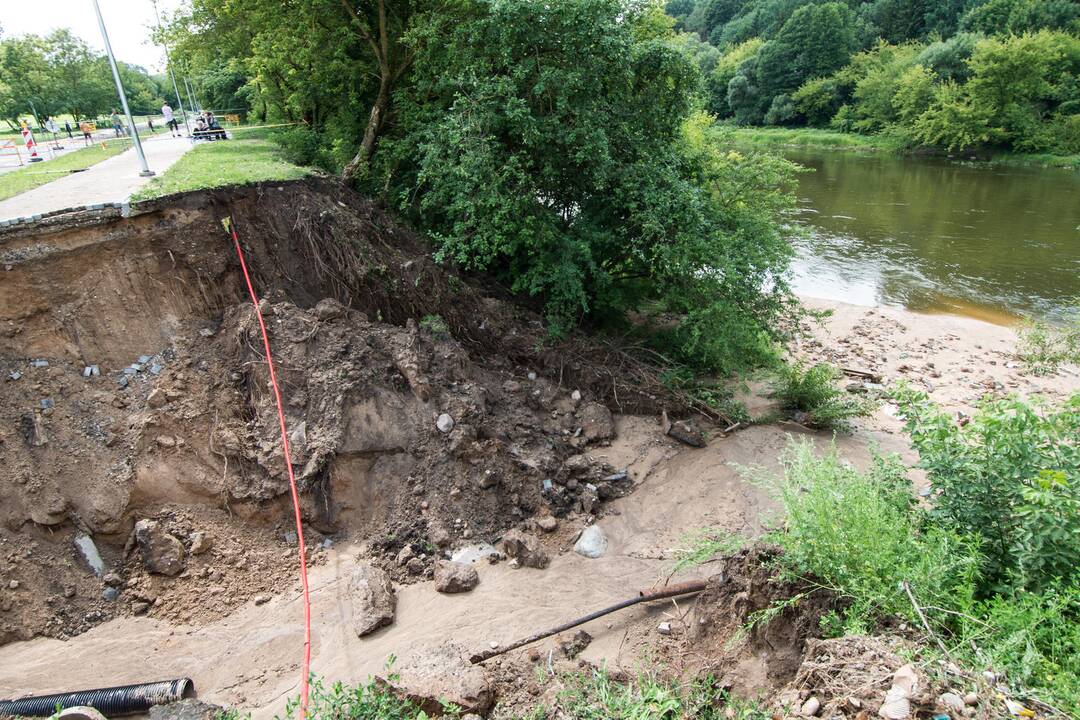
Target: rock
x=687, y=433
x=810, y=708
x=110, y=593
x=971, y=699
x=951, y=701
x=525, y=549
x=113, y=579
x=596, y=422
x=13, y=585
x=81, y=712
x=329, y=309
x=439, y=535
x=444, y=674
x=445, y=423
x=455, y=577
x=592, y=543
x=200, y=542
x=265, y=308
x=897, y=705
x=156, y=398
x=547, y=523
x=162, y=553
x=166, y=441
x=664, y=628
x=189, y=709
x=572, y=648
x=140, y=607
x=372, y=597
x=262, y=599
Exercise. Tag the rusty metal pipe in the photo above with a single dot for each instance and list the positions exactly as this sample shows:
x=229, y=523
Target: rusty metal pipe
x=686, y=588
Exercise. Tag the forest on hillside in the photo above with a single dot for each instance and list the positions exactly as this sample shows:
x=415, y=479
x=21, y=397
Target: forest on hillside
x=951, y=73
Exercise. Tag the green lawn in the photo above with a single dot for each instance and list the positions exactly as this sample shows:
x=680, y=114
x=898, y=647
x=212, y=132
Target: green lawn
x=31, y=176
x=217, y=164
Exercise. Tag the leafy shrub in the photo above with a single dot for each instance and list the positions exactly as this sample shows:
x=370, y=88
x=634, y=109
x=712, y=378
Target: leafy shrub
x=811, y=395
x=860, y=534
x=1011, y=477
x=300, y=146
x=1044, y=348
x=370, y=701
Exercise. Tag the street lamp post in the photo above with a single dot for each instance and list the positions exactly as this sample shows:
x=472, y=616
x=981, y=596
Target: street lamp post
x=146, y=171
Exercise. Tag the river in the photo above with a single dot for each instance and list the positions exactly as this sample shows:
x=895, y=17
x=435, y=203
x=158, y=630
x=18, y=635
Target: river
x=940, y=237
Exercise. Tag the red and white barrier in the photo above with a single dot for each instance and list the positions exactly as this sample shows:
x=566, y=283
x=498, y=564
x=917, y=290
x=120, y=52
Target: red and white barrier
x=31, y=146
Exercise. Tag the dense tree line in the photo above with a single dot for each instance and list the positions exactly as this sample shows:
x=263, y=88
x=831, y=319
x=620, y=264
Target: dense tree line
x=558, y=145
x=952, y=73
x=60, y=75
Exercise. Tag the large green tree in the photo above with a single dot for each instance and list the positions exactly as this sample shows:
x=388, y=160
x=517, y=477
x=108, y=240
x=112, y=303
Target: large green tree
x=816, y=40
x=553, y=152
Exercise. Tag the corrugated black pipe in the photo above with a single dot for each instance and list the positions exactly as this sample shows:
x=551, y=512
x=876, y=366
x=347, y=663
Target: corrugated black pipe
x=110, y=702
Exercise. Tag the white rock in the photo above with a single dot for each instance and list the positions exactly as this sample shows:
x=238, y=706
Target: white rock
x=445, y=423
x=593, y=542
x=664, y=628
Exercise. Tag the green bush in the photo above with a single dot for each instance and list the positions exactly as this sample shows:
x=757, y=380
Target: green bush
x=370, y=701
x=860, y=535
x=1044, y=348
x=811, y=396
x=1011, y=478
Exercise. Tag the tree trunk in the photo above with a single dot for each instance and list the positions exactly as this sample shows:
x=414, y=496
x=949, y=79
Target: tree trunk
x=371, y=133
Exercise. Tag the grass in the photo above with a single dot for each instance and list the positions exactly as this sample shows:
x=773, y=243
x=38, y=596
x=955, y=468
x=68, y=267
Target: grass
x=771, y=137
x=249, y=158
x=813, y=137
x=812, y=397
x=19, y=181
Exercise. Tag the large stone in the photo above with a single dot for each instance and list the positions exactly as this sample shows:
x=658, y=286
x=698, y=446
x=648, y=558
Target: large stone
x=444, y=674
x=81, y=712
x=455, y=577
x=329, y=309
x=162, y=553
x=524, y=548
x=592, y=543
x=596, y=422
x=373, y=600
x=189, y=709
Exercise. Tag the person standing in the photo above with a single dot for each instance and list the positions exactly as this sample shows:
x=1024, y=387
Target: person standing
x=117, y=126
x=170, y=120
x=67, y=129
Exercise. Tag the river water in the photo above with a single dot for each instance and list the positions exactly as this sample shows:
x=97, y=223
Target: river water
x=939, y=237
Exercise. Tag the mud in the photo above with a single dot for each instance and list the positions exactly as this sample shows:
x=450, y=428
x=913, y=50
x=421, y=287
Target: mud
x=135, y=387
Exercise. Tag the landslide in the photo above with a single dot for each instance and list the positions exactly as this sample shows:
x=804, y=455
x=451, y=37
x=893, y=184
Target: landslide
x=133, y=386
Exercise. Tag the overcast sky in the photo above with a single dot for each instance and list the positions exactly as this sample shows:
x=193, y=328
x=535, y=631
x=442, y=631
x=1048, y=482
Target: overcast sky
x=127, y=21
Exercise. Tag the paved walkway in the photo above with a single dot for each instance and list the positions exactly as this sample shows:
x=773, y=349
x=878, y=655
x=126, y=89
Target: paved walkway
x=110, y=181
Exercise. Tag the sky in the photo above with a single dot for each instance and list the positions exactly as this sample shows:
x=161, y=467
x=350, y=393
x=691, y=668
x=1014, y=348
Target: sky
x=128, y=23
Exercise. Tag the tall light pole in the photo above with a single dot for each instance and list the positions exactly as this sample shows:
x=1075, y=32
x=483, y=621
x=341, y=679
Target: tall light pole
x=146, y=171
x=172, y=75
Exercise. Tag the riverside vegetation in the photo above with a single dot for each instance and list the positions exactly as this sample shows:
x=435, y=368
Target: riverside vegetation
x=954, y=75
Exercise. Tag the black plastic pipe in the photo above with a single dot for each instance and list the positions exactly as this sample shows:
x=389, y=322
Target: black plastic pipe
x=110, y=702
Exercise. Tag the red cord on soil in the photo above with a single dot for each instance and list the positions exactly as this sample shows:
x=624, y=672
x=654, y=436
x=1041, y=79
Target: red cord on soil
x=292, y=477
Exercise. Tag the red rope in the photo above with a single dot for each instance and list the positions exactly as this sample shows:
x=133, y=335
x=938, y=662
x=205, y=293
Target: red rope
x=292, y=477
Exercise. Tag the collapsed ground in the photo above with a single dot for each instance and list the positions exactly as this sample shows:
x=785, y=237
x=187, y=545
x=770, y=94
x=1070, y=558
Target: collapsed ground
x=426, y=415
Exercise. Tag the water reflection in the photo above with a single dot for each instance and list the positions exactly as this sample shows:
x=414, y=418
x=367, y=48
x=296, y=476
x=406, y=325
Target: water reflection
x=933, y=236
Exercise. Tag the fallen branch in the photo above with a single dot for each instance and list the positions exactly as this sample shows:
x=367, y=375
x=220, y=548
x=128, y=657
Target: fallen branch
x=687, y=588
x=925, y=622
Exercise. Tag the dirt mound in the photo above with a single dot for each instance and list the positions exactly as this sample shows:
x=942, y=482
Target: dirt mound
x=750, y=629
x=423, y=411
